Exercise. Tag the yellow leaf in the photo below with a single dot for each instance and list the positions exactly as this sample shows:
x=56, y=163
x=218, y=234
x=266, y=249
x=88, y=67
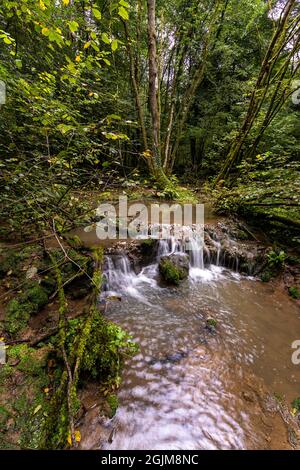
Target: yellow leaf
x=2, y=339
x=37, y=409
x=66, y=2
x=42, y=5
x=77, y=58
x=87, y=44
x=147, y=154
x=45, y=31
x=77, y=436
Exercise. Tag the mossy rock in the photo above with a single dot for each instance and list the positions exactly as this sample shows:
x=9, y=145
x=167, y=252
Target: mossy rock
x=36, y=296
x=113, y=402
x=174, y=268
x=20, y=309
x=17, y=316
x=147, y=247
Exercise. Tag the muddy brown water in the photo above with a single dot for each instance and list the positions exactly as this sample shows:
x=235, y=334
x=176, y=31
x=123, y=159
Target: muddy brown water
x=186, y=387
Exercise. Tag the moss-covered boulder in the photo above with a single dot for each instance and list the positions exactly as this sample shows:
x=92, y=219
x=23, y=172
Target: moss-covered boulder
x=174, y=268
x=20, y=309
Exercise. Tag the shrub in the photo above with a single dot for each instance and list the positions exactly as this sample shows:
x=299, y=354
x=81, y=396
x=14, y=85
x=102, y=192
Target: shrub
x=275, y=259
x=294, y=293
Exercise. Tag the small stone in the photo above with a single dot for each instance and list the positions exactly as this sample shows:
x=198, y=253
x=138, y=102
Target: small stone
x=249, y=396
x=31, y=272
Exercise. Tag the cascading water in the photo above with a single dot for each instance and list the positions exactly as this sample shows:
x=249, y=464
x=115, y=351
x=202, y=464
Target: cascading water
x=185, y=387
x=121, y=276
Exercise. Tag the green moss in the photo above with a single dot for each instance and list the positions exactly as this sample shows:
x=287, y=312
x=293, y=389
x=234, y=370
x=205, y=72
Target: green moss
x=5, y=373
x=20, y=309
x=267, y=275
x=212, y=323
x=13, y=259
x=32, y=361
x=294, y=293
x=36, y=296
x=147, y=246
x=8, y=263
x=28, y=412
x=4, y=415
x=113, y=402
x=17, y=316
x=108, y=345
x=170, y=273
x=296, y=404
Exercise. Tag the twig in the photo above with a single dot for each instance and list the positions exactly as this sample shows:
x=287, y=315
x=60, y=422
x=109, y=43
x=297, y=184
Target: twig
x=66, y=254
x=29, y=242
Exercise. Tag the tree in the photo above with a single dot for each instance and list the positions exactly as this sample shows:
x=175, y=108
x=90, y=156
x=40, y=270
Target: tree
x=279, y=67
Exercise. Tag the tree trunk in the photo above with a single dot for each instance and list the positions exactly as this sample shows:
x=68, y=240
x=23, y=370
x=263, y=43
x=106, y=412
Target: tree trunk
x=153, y=83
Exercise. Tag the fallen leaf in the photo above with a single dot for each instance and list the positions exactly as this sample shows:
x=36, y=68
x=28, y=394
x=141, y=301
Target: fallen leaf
x=37, y=409
x=77, y=436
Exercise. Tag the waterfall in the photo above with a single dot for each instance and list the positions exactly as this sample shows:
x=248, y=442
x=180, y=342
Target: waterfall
x=206, y=261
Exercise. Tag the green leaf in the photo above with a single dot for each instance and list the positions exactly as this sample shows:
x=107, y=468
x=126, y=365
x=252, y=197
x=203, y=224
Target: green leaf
x=105, y=38
x=65, y=128
x=123, y=13
x=125, y=4
x=7, y=40
x=73, y=26
x=96, y=13
x=114, y=45
x=18, y=63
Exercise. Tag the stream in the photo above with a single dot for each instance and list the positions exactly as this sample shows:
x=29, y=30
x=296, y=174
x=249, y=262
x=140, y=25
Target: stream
x=188, y=387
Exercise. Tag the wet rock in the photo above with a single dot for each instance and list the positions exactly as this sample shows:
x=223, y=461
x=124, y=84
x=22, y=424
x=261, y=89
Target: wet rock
x=174, y=268
x=248, y=396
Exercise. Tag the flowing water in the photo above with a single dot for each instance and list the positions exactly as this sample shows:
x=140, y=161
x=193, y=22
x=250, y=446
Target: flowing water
x=184, y=389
